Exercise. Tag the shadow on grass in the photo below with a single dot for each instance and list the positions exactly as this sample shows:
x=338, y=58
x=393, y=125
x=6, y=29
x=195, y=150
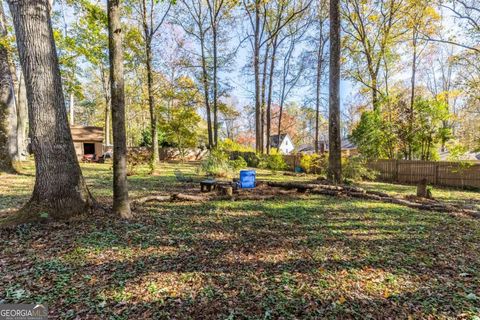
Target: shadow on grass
x=271, y=259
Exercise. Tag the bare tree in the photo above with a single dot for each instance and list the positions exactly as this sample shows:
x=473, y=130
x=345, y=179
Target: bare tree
x=195, y=25
x=151, y=24
x=257, y=18
x=60, y=190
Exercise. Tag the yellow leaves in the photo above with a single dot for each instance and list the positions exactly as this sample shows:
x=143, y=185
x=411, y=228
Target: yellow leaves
x=374, y=18
x=432, y=13
x=387, y=294
x=341, y=300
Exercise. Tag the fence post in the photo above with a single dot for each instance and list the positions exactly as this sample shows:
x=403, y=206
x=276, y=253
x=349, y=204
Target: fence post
x=435, y=178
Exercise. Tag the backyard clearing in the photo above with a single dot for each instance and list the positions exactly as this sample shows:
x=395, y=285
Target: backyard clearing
x=315, y=258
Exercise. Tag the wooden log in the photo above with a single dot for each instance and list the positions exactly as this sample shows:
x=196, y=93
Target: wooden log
x=363, y=195
x=378, y=193
x=354, y=189
x=151, y=199
x=253, y=197
x=326, y=192
x=187, y=197
x=302, y=186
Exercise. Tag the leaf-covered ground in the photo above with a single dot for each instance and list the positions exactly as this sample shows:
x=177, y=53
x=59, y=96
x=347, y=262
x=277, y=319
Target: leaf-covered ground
x=310, y=259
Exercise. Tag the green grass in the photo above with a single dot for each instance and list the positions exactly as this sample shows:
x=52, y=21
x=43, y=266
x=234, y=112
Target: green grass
x=314, y=258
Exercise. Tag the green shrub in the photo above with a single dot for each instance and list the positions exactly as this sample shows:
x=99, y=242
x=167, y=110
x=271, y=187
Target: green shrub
x=218, y=164
x=273, y=161
x=355, y=169
x=238, y=163
x=314, y=163
x=251, y=158
x=230, y=145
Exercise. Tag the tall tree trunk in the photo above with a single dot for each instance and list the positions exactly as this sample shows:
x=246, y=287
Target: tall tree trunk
x=151, y=103
x=121, y=205
x=106, y=95
x=263, y=94
x=318, y=93
x=12, y=116
x=60, y=190
x=22, y=119
x=256, y=67
x=335, y=148
x=206, y=91
x=270, y=93
x=151, y=98
x=7, y=102
x=215, y=83
x=412, y=96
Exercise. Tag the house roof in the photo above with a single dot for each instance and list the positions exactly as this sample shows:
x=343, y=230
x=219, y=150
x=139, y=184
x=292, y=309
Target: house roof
x=346, y=145
x=469, y=156
x=85, y=134
x=275, y=142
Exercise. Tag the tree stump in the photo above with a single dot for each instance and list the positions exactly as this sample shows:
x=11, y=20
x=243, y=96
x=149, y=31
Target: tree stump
x=422, y=191
x=226, y=190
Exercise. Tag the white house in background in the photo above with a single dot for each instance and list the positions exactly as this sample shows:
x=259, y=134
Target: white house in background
x=283, y=143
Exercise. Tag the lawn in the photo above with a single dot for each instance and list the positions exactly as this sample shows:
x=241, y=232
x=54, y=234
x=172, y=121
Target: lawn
x=314, y=258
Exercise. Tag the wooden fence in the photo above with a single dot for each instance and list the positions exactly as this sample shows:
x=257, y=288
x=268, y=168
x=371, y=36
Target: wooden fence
x=451, y=174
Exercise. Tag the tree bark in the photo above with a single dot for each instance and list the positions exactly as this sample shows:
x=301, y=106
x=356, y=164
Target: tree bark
x=147, y=30
x=412, y=95
x=22, y=119
x=7, y=102
x=263, y=94
x=270, y=92
x=318, y=90
x=206, y=90
x=60, y=190
x=121, y=205
x=335, y=156
x=106, y=93
x=215, y=83
x=256, y=67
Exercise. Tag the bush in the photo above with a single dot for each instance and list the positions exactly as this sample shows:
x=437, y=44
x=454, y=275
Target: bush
x=314, y=163
x=355, y=168
x=231, y=146
x=273, y=161
x=238, y=163
x=218, y=164
x=251, y=158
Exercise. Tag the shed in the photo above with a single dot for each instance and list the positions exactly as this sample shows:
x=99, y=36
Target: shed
x=87, y=140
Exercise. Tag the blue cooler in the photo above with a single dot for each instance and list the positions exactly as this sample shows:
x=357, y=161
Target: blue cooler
x=247, y=179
